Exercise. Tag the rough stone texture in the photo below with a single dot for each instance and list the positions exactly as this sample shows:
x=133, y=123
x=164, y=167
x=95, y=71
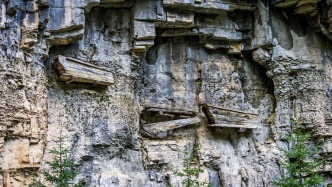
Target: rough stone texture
x=23, y=106
x=317, y=12
x=255, y=56
x=2, y=15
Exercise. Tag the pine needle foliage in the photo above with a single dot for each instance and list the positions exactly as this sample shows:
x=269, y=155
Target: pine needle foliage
x=301, y=170
x=62, y=170
x=35, y=182
x=190, y=172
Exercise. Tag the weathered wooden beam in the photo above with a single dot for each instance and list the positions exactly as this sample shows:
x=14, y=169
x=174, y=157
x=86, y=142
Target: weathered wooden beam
x=227, y=125
x=229, y=110
x=159, y=130
x=233, y=114
x=215, y=113
x=218, y=117
x=73, y=70
x=25, y=168
x=208, y=114
x=170, y=110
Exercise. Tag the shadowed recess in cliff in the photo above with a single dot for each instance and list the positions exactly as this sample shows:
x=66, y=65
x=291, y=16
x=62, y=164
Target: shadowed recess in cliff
x=169, y=72
x=280, y=29
x=254, y=79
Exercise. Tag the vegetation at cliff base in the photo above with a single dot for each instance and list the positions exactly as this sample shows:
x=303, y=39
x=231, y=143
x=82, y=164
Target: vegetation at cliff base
x=190, y=172
x=62, y=170
x=299, y=163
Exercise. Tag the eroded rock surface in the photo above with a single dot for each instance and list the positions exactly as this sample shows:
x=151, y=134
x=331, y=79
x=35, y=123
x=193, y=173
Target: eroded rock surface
x=271, y=58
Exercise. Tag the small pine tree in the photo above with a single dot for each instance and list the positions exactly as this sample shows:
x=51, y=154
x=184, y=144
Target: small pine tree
x=300, y=171
x=189, y=172
x=35, y=182
x=62, y=170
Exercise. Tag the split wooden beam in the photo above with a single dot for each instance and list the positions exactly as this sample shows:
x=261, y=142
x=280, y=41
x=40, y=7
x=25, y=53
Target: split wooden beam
x=25, y=168
x=229, y=110
x=159, y=129
x=228, y=118
x=170, y=110
x=72, y=70
x=226, y=125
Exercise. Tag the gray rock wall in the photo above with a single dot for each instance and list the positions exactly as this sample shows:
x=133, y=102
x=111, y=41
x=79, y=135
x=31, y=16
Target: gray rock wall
x=167, y=58
x=101, y=122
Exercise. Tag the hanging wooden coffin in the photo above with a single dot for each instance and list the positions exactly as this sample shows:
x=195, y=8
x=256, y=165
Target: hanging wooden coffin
x=159, y=121
x=229, y=118
x=75, y=71
x=169, y=110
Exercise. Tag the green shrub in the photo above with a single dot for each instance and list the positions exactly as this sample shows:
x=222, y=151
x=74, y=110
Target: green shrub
x=35, y=182
x=62, y=170
x=190, y=172
x=300, y=171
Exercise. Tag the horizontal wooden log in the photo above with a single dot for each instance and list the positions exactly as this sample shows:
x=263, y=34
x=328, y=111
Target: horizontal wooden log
x=232, y=114
x=154, y=129
x=229, y=110
x=208, y=114
x=233, y=118
x=72, y=70
x=170, y=110
x=25, y=168
x=216, y=114
x=227, y=125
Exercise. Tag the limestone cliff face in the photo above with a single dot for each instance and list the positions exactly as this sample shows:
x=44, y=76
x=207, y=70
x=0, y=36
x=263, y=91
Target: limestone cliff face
x=139, y=81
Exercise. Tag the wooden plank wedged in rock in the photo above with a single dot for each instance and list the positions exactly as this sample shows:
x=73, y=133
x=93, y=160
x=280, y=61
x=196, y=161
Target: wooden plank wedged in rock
x=23, y=168
x=208, y=114
x=241, y=126
x=153, y=129
x=209, y=7
x=226, y=125
x=231, y=118
x=170, y=110
x=229, y=110
x=72, y=70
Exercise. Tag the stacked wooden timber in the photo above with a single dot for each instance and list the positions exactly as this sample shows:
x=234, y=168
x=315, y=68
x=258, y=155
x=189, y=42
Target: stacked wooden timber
x=72, y=70
x=229, y=118
x=170, y=110
x=180, y=118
